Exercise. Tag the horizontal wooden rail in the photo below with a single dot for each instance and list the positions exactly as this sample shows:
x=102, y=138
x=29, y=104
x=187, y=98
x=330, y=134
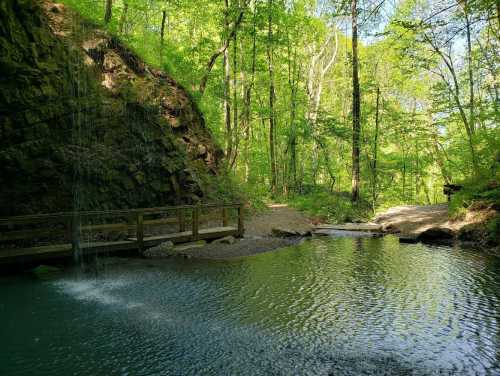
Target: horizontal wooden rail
x=54, y=217
x=71, y=226
x=30, y=234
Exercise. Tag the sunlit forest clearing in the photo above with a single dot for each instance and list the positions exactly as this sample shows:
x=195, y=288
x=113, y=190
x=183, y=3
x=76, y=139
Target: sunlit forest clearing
x=380, y=101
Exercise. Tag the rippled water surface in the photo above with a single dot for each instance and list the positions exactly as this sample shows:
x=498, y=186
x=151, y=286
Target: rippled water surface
x=326, y=307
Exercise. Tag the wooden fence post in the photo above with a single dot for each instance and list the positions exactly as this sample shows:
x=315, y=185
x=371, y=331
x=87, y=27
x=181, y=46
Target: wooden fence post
x=224, y=217
x=75, y=237
x=182, y=220
x=130, y=226
x=241, y=228
x=195, y=224
x=140, y=231
x=69, y=230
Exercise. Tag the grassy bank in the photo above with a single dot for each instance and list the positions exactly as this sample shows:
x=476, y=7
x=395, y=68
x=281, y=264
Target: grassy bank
x=477, y=196
x=333, y=207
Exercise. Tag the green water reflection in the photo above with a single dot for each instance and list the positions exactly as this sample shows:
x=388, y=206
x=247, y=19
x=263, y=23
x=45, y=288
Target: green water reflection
x=334, y=307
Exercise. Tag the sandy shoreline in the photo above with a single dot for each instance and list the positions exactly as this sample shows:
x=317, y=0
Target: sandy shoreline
x=258, y=235
x=241, y=248
x=403, y=220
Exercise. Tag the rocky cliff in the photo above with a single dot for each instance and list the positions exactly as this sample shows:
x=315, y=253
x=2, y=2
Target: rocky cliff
x=85, y=123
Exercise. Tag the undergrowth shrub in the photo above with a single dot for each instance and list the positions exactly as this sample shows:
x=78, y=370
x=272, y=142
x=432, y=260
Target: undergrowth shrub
x=335, y=207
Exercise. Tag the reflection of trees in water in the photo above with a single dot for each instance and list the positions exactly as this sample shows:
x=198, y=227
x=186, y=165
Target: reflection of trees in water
x=374, y=289
x=296, y=288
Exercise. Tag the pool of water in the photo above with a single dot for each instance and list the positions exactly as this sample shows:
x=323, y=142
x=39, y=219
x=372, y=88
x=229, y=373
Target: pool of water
x=326, y=307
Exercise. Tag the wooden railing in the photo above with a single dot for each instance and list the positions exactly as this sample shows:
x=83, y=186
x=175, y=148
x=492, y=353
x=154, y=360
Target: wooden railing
x=69, y=227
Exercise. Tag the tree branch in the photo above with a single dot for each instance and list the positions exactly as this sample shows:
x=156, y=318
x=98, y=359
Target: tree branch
x=222, y=49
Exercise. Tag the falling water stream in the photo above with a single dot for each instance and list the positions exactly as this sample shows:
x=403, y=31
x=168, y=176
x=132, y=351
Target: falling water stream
x=338, y=306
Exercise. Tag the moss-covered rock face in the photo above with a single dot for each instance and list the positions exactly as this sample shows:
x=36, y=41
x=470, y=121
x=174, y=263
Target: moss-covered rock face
x=85, y=124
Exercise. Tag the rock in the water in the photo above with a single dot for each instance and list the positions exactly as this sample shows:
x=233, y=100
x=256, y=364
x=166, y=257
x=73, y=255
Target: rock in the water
x=473, y=232
x=160, y=251
x=284, y=232
x=407, y=239
x=391, y=229
x=45, y=271
x=437, y=235
x=225, y=240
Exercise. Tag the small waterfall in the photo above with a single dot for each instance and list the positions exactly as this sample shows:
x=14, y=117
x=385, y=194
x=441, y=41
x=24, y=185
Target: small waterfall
x=82, y=139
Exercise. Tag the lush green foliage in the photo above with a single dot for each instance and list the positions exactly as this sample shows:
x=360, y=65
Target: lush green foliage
x=331, y=207
x=429, y=99
x=68, y=143
x=479, y=193
x=481, y=189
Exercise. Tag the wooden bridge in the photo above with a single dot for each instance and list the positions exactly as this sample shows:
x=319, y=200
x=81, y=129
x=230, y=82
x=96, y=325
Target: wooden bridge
x=75, y=234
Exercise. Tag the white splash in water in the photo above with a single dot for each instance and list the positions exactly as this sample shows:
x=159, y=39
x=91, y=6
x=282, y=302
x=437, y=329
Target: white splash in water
x=99, y=291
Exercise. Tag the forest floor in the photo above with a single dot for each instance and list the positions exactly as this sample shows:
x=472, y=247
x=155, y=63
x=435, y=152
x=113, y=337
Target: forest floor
x=258, y=235
x=409, y=220
x=277, y=216
x=415, y=219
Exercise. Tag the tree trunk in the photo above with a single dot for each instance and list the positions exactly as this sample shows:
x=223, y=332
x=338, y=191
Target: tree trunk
x=319, y=66
x=455, y=92
x=108, y=12
x=227, y=94
x=123, y=18
x=248, y=99
x=272, y=95
x=234, y=131
x=356, y=106
x=162, y=33
x=293, y=79
x=417, y=161
x=162, y=30
x=404, y=177
x=375, y=152
x=471, y=75
x=417, y=172
x=222, y=49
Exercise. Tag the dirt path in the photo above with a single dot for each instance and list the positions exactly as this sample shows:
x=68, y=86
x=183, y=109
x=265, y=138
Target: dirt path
x=258, y=235
x=414, y=219
x=278, y=215
x=405, y=220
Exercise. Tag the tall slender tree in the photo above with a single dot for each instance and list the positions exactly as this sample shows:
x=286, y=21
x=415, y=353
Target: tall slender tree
x=123, y=17
x=272, y=98
x=375, y=151
x=227, y=89
x=224, y=47
x=356, y=105
x=108, y=11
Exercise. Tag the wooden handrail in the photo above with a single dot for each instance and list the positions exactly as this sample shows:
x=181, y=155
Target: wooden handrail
x=72, y=225
x=34, y=218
